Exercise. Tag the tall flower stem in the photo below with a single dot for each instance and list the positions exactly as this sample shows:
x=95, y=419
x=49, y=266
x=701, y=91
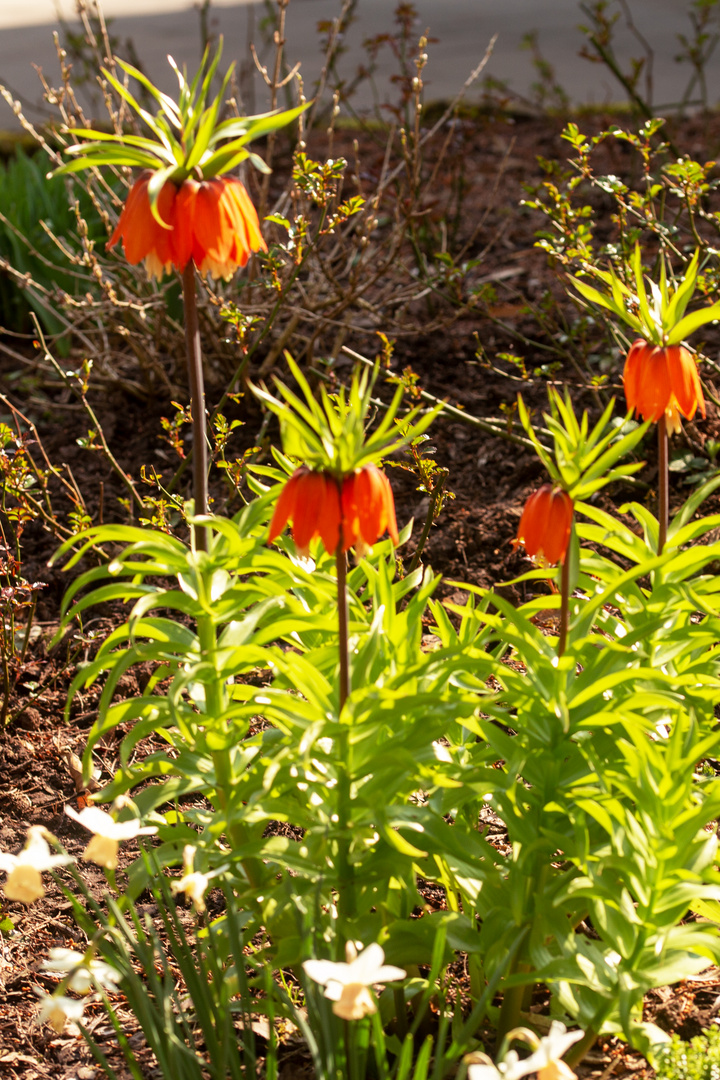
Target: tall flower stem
x=564, y=602
x=346, y=882
x=341, y=563
x=197, y=401
x=663, y=484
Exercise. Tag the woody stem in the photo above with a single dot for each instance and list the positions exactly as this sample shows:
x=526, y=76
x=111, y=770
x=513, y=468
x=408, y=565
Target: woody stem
x=663, y=484
x=197, y=402
x=564, y=603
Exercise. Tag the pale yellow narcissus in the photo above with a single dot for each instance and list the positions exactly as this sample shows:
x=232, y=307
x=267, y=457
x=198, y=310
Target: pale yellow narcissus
x=346, y=985
x=84, y=973
x=103, y=848
x=546, y=1059
x=24, y=881
x=192, y=883
x=55, y=1009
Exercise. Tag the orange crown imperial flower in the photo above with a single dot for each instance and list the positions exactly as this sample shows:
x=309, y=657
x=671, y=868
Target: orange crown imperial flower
x=355, y=513
x=546, y=524
x=184, y=205
x=213, y=222
x=662, y=381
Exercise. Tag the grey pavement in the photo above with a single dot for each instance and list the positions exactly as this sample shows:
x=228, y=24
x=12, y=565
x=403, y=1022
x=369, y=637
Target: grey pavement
x=463, y=29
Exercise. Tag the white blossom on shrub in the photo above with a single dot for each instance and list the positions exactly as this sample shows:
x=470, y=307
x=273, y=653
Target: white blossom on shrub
x=24, y=881
x=346, y=985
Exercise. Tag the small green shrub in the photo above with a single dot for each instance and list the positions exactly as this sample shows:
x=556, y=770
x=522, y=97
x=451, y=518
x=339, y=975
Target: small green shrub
x=698, y=1059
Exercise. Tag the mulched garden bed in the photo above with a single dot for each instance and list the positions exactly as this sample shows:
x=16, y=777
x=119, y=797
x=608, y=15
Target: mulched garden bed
x=489, y=477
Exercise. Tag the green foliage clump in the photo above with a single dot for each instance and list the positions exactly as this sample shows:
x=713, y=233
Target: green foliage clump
x=42, y=236
x=698, y=1059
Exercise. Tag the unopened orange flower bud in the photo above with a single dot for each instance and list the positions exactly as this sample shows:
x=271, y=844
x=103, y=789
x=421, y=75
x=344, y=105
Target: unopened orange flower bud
x=662, y=381
x=546, y=524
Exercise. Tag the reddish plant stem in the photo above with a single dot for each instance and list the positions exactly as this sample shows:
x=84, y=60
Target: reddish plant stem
x=663, y=484
x=197, y=401
x=341, y=562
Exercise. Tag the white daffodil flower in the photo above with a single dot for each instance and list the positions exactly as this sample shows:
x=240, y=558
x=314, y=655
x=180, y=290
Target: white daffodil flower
x=192, y=883
x=103, y=848
x=55, y=1009
x=24, y=881
x=86, y=973
x=346, y=985
x=546, y=1059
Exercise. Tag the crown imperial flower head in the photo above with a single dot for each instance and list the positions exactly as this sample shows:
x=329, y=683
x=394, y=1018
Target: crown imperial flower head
x=212, y=222
x=103, y=848
x=546, y=524
x=346, y=985
x=354, y=513
x=24, y=880
x=185, y=205
x=662, y=381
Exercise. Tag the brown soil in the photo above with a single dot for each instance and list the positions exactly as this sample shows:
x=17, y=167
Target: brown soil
x=489, y=477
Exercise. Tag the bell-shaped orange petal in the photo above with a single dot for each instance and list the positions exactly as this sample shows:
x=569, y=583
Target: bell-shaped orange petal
x=317, y=511
x=685, y=381
x=632, y=374
x=546, y=524
x=254, y=239
x=240, y=250
x=142, y=235
x=368, y=507
x=212, y=237
x=311, y=502
x=181, y=239
x=328, y=516
x=285, y=506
